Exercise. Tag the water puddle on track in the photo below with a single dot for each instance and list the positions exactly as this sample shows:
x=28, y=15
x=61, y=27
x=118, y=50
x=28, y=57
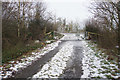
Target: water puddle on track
x=74, y=65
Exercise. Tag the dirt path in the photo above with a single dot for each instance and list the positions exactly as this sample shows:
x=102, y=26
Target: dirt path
x=70, y=59
x=37, y=65
x=73, y=69
x=74, y=65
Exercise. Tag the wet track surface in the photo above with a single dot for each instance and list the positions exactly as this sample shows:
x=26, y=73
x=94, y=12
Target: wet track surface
x=70, y=59
x=74, y=65
x=37, y=65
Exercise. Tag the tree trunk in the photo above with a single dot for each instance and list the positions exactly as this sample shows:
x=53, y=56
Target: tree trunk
x=118, y=8
x=19, y=19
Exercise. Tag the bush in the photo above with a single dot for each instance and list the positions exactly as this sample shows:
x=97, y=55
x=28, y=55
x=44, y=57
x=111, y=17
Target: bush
x=18, y=51
x=104, y=37
x=36, y=29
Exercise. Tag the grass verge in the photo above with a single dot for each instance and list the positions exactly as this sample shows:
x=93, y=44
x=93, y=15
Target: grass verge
x=21, y=49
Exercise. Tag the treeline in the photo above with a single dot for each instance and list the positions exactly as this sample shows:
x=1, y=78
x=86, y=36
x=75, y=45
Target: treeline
x=22, y=23
x=67, y=26
x=104, y=28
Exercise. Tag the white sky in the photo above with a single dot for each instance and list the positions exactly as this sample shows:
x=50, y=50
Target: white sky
x=70, y=9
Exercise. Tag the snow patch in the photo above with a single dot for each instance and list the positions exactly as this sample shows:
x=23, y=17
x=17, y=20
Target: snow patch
x=26, y=61
x=94, y=64
x=55, y=67
x=69, y=36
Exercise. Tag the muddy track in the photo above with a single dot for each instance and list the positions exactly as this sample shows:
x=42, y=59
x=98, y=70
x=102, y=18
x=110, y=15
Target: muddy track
x=37, y=65
x=74, y=65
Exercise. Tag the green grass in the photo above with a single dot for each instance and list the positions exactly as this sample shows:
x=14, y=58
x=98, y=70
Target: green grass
x=93, y=66
x=8, y=66
x=106, y=71
x=98, y=77
x=15, y=52
x=104, y=67
x=109, y=76
x=92, y=72
x=114, y=73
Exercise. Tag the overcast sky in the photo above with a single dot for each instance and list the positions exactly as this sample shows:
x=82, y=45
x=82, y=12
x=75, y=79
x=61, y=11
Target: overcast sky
x=70, y=9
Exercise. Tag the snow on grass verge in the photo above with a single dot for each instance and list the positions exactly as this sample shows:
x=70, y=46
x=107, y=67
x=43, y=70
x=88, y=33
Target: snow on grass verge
x=96, y=65
x=25, y=61
x=55, y=67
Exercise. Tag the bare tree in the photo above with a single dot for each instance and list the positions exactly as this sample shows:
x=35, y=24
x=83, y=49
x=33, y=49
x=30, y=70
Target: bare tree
x=106, y=15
